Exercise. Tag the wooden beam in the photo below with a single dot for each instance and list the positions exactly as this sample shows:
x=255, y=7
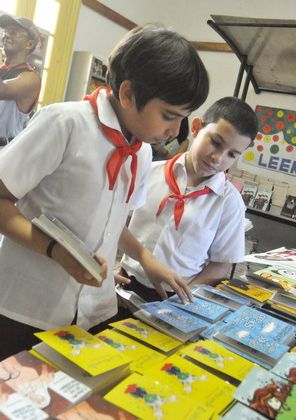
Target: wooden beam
x=103, y=10
x=115, y=17
x=211, y=46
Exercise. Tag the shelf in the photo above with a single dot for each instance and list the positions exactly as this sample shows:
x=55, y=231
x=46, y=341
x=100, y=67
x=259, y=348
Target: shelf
x=272, y=216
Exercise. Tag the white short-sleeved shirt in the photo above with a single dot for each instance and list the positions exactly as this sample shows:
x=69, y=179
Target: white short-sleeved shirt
x=57, y=165
x=211, y=228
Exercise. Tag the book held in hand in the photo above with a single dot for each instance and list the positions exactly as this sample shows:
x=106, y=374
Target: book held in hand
x=58, y=231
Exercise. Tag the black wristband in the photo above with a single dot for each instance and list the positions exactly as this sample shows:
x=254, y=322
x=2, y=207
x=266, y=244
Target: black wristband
x=50, y=247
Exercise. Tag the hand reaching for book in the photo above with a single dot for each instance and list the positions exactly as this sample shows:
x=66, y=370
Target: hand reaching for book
x=75, y=269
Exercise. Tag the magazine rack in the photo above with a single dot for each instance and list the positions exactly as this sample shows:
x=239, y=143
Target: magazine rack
x=266, y=49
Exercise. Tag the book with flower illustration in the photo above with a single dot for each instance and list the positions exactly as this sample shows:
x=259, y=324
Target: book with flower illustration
x=194, y=382
x=83, y=356
x=214, y=355
x=267, y=393
x=149, y=399
x=142, y=356
x=146, y=334
x=48, y=389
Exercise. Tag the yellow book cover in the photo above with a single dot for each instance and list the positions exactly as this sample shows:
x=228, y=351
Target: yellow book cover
x=147, y=334
x=194, y=382
x=248, y=289
x=283, y=307
x=214, y=355
x=142, y=356
x=149, y=399
x=83, y=349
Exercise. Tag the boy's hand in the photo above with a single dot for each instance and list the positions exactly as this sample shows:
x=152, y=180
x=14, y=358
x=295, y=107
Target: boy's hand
x=119, y=279
x=158, y=273
x=75, y=269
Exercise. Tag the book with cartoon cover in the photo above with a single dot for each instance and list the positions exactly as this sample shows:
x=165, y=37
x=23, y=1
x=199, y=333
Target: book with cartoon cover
x=241, y=412
x=268, y=394
x=180, y=319
x=149, y=399
x=286, y=367
x=142, y=356
x=83, y=349
x=284, y=278
x=146, y=334
x=194, y=382
x=209, y=311
x=217, y=357
x=49, y=389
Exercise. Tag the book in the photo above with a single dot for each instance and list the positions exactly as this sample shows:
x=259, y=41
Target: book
x=147, y=399
x=286, y=367
x=249, y=191
x=214, y=355
x=289, y=208
x=285, y=299
x=223, y=298
x=284, y=257
x=176, y=317
x=162, y=326
x=262, y=198
x=241, y=412
x=147, y=334
x=131, y=299
x=142, y=356
x=95, y=408
x=14, y=406
x=266, y=393
x=283, y=278
x=204, y=309
x=243, y=288
x=49, y=389
x=192, y=381
x=83, y=349
x=58, y=231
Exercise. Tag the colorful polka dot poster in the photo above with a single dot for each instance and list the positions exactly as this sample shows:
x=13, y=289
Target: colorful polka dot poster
x=274, y=148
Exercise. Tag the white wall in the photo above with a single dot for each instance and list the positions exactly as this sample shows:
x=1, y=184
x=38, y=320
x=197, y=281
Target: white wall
x=189, y=17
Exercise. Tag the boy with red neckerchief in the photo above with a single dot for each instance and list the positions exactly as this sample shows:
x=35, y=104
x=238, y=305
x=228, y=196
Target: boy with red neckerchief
x=87, y=163
x=193, y=219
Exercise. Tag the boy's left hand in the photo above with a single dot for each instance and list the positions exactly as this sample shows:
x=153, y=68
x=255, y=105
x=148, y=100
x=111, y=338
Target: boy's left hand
x=158, y=273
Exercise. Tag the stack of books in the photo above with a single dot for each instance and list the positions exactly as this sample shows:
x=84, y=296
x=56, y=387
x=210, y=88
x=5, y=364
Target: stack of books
x=280, y=191
x=262, y=198
x=249, y=191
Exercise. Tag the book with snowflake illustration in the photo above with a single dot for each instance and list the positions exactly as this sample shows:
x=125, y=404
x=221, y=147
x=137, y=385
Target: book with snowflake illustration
x=146, y=334
x=267, y=393
x=286, y=367
x=194, y=382
x=218, y=296
x=217, y=357
x=172, y=315
x=142, y=356
x=209, y=311
x=83, y=349
x=49, y=389
x=149, y=399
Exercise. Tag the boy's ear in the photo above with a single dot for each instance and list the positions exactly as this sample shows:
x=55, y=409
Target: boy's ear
x=126, y=94
x=196, y=126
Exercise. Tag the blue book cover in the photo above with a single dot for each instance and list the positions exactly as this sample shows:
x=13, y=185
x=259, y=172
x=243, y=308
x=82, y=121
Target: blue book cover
x=212, y=329
x=250, y=342
x=205, y=309
x=220, y=293
x=263, y=325
x=181, y=320
x=286, y=367
x=264, y=392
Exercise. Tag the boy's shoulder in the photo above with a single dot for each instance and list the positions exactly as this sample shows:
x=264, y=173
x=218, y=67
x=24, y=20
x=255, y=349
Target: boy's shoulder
x=232, y=193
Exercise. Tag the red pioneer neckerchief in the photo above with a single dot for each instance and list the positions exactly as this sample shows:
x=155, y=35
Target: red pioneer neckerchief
x=176, y=194
x=122, y=151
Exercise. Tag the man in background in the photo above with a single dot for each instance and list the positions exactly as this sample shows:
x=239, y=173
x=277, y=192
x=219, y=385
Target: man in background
x=19, y=83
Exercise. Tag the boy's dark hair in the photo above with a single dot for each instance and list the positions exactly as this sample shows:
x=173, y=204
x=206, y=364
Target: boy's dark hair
x=235, y=111
x=184, y=130
x=160, y=64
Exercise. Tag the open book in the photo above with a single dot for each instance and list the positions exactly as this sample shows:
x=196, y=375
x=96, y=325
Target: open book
x=58, y=231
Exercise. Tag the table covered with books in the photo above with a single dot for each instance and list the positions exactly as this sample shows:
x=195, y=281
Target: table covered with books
x=231, y=354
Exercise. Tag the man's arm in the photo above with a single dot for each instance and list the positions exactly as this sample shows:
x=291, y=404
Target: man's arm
x=15, y=226
x=24, y=89
x=212, y=274
x=155, y=270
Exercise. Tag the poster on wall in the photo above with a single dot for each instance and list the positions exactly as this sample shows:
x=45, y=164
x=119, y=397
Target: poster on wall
x=273, y=152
